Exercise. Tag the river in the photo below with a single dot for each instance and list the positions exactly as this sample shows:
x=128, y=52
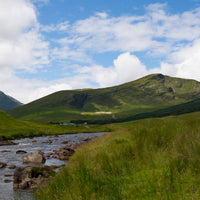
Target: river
x=8, y=155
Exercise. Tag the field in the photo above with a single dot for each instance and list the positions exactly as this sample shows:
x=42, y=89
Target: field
x=145, y=159
x=11, y=128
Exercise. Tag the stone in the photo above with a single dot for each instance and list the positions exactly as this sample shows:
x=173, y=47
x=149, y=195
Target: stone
x=11, y=166
x=7, y=142
x=47, y=142
x=49, y=154
x=36, y=157
x=63, y=153
x=4, y=151
x=2, y=165
x=34, y=141
x=21, y=152
x=65, y=142
x=87, y=139
x=7, y=180
x=7, y=175
x=29, y=177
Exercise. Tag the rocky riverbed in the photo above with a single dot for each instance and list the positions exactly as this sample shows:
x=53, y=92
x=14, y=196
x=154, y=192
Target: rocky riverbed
x=56, y=149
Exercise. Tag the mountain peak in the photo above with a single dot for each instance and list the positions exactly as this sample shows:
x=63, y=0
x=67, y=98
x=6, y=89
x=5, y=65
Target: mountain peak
x=8, y=103
x=146, y=94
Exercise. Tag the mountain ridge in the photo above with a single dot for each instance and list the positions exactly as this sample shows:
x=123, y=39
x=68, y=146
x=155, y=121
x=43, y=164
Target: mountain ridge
x=8, y=103
x=146, y=94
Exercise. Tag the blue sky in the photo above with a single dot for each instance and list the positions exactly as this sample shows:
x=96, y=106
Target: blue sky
x=48, y=45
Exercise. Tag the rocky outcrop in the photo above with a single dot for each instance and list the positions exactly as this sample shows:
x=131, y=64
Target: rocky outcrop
x=36, y=157
x=30, y=177
x=64, y=152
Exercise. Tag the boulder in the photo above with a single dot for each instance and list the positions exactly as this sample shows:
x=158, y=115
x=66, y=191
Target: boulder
x=63, y=153
x=2, y=165
x=30, y=177
x=36, y=157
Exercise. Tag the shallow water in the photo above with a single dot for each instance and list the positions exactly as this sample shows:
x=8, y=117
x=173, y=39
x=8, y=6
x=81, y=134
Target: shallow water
x=11, y=158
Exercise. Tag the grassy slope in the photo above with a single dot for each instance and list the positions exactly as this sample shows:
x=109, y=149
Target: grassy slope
x=8, y=103
x=143, y=95
x=191, y=106
x=11, y=128
x=144, y=159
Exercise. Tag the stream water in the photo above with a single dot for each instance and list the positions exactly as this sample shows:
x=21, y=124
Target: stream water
x=8, y=155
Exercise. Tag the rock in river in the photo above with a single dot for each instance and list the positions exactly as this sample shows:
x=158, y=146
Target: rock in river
x=29, y=177
x=7, y=142
x=21, y=152
x=2, y=165
x=36, y=157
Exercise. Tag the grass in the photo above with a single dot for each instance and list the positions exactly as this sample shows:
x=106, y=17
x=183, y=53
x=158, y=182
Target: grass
x=147, y=94
x=145, y=159
x=11, y=128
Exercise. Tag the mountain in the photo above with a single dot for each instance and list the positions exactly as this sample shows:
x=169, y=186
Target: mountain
x=7, y=102
x=144, y=95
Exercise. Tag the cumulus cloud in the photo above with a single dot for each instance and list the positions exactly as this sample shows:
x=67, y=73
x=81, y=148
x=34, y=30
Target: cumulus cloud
x=157, y=33
x=185, y=63
x=21, y=45
x=125, y=68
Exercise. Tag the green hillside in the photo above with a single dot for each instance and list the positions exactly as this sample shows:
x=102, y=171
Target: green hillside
x=12, y=128
x=7, y=102
x=147, y=94
x=145, y=159
x=189, y=107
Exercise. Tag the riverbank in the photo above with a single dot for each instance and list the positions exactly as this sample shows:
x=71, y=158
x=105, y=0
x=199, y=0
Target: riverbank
x=12, y=155
x=145, y=159
x=11, y=128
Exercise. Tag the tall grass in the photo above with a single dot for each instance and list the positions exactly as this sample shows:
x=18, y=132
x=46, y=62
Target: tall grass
x=146, y=159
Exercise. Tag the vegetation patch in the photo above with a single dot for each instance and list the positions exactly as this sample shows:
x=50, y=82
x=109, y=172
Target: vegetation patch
x=145, y=159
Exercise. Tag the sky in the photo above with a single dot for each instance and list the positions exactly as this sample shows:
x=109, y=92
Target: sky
x=52, y=45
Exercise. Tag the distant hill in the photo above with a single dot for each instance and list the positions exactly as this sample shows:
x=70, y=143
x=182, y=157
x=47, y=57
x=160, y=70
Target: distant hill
x=11, y=128
x=147, y=94
x=7, y=102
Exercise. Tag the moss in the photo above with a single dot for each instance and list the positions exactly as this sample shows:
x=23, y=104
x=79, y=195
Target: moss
x=44, y=171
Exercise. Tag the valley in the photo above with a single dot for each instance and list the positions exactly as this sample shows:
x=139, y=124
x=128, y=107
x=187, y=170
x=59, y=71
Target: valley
x=151, y=150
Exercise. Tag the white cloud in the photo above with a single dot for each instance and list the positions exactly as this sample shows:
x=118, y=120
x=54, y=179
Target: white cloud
x=157, y=31
x=125, y=68
x=46, y=90
x=175, y=37
x=184, y=63
x=21, y=44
